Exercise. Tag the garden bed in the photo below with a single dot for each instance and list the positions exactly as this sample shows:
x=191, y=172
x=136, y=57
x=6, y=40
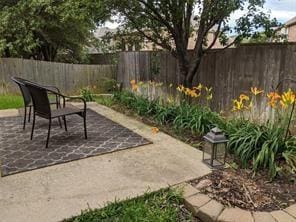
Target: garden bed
x=231, y=187
x=238, y=188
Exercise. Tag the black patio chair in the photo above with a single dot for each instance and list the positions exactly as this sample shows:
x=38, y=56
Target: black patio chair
x=27, y=97
x=43, y=109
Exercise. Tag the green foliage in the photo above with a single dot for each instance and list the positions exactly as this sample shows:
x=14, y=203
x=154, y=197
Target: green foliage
x=182, y=117
x=195, y=118
x=104, y=100
x=161, y=206
x=87, y=94
x=109, y=85
x=166, y=114
x=168, y=24
x=44, y=29
x=261, y=147
x=11, y=102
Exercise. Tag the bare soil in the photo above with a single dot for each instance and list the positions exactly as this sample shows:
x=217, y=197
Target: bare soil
x=239, y=188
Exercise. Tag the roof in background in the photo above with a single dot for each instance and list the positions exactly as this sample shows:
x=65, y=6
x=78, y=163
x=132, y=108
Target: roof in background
x=292, y=21
x=102, y=31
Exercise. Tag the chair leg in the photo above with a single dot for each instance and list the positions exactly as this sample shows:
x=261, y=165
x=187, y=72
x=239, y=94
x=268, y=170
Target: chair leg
x=84, y=122
x=25, y=118
x=33, y=126
x=58, y=105
x=30, y=111
x=48, y=134
x=60, y=123
x=65, y=123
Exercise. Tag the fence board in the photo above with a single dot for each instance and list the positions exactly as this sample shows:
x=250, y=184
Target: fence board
x=68, y=77
x=230, y=72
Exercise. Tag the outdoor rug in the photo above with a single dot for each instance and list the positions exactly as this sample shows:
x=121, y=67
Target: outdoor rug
x=18, y=153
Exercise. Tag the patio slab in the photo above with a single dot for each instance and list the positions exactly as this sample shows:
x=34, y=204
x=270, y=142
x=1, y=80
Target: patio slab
x=18, y=153
x=60, y=191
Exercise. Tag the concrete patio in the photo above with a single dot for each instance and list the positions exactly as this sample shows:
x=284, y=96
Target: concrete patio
x=61, y=191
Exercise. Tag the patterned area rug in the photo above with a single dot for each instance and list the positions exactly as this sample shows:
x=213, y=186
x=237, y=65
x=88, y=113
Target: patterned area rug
x=18, y=153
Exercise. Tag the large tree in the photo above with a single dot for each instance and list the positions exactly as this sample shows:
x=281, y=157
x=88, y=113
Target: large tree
x=42, y=29
x=168, y=24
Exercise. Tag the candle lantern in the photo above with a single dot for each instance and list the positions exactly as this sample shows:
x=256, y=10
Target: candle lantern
x=214, y=149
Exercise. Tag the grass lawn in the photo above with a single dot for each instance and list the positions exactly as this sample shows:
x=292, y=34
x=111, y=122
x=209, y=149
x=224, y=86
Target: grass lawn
x=11, y=101
x=161, y=206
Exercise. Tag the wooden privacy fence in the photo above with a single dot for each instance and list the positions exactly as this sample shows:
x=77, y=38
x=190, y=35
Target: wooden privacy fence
x=230, y=72
x=68, y=77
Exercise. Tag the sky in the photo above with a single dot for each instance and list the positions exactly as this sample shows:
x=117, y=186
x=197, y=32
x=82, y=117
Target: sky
x=282, y=10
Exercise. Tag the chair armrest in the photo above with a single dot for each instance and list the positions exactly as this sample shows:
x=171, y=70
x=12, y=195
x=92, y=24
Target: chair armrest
x=67, y=97
x=52, y=88
x=77, y=97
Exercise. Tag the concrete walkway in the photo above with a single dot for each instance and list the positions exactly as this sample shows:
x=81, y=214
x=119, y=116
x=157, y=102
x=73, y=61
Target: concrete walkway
x=57, y=192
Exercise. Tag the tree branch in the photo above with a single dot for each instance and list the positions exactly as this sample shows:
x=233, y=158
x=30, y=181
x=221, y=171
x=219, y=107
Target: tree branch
x=157, y=15
x=162, y=43
x=215, y=37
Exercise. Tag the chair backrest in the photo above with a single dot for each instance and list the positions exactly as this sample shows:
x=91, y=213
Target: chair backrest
x=24, y=90
x=40, y=99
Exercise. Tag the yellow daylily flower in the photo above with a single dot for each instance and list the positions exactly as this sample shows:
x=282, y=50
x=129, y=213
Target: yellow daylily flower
x=180, y=88
x=256, y=91
x=288, y=98
x=237, y=105
x=141, y=83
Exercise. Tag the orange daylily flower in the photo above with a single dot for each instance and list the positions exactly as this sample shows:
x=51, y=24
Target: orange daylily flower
x=134, y=85
x=154, y=130
x=273, y=97
x=243, y=97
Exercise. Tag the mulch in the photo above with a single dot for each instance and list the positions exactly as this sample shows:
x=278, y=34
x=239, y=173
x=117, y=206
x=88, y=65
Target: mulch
x=241, y=189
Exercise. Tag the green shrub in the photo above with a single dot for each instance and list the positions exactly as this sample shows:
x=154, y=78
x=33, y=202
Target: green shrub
x=254, y=145
x=165, y=114
x=109, y=85
x=87, y=94
x=105, y=100
x=195, y=118
x=125, y=97
x=261, y=146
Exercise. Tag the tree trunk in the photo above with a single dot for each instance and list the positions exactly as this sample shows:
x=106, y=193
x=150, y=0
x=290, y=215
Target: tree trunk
x=189, y=73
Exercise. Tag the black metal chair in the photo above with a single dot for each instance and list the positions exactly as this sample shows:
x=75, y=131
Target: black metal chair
x=27, y=97
x=43, y=109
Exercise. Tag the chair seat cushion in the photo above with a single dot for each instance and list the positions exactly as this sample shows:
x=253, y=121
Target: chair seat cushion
x=68, y=110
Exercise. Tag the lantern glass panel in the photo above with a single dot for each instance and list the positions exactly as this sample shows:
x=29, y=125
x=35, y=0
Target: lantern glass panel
x=207, y=151
x=219, y=154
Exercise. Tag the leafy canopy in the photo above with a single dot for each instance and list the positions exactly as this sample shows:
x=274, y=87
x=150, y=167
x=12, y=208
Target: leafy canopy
x=170, y=23
x=41, y=29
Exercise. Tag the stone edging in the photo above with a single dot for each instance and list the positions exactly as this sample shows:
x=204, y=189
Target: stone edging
x=209, y=210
